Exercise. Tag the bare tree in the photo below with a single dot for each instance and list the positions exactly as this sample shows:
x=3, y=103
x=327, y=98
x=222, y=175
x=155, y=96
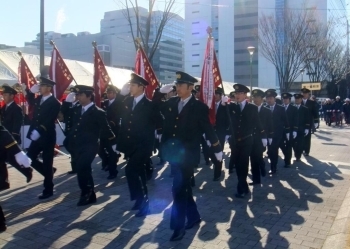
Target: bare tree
x=141, y=30
x=283, y=42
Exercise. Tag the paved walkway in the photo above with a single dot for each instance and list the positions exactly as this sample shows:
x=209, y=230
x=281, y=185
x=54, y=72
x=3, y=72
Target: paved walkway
x=306, y=206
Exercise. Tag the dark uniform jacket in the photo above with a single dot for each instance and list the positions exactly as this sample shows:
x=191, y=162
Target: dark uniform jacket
x=280, y=122
x=222, y=123
x=137, y=126
x=265, y=117
x=113, y=114
x=44, y=115
x=246, y=122
x=291, y=113
x=313, y=111
x=86, y=128
x=12, y=120
x=346, y=109
x=337, y=106
x=182, y=133
x=8, y=143
x=67, y=109
x=302, y=119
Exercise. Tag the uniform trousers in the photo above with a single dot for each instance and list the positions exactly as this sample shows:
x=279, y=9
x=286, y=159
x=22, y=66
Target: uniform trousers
x=298, y=145
x=287, y=148
x=71, y=151
x=217, y=164
x=257, y=162
x=243, y=150
x=2, y=217
x=205, y=149
x=136, y=174
x=184, y=205
x=273, y=151
x=108, y=156
x=46, y=145
x=85, y=155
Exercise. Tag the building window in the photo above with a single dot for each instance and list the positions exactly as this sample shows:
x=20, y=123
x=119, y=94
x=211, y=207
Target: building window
x=217, y=51
x=195, y=65
x=112, y=19
x=196, y=11
x=195, y=54
x=216, y=39
x=195, y=22
x=195, y=3
x=112, y=27
x=195, y=33
x=195, y=44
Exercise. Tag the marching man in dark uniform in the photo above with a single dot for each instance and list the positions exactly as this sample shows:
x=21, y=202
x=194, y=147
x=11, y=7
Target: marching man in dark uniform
x=89, y=124
x=68, y=109
x=313, y=118
x=260, y=142
x=42, y=133
x=10, y=151
x=302, y=124
x=185, y=121
x=280, y=128
x=112, y=107
x=287, y=144
x=136, y=139
x=245, y=123
x=12, y=120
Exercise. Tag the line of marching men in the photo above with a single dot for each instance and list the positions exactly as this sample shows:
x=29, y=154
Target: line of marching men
x=177, y=123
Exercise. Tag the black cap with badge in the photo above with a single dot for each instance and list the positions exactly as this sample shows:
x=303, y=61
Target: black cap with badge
x=286, y=95
x=239, y=88
x=184, y=78
x=305, y=90
x=8, y=89
x=271, y=93
x=46, y=82
x=83, y=89
x=138, y=79
x=298, y=96
x=219, y=90
x=111, y=88
x=258, y=93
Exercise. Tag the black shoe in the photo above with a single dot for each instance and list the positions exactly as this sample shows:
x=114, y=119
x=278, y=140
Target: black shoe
x=189, y=225
x=3, y=228
x=45, y=196
x=144, y=208
x=112, y=176
x=271, y=172
x=287, y=165
x=230, y=171
x=306, y=154
x=137, y=204
x=87, y=199
x=207, y=163
x=216, y=179
x=72, y=172
x=178, y=235
x=254, y=183
x=54, y=170
x=5, y=186
x=29, y=175
x=297, y=159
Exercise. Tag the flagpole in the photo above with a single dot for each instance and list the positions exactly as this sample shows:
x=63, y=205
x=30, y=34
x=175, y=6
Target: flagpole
x=54, y=47
x=22, y=104
x=209, y=31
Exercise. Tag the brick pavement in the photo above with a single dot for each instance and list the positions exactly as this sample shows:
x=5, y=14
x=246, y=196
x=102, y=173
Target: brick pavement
x=299, y=207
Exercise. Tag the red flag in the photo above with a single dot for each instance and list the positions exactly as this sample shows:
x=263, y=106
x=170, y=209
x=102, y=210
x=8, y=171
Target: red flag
x=144, y=68
x=101, y=78
x=25, y=76
x=211, y=79
x=59, y=73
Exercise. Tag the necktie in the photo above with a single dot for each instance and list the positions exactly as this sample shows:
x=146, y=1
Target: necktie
x=134, y=104
x=82, y=110
x=42, y=100
x=285, y=107
x=180, y=106
x=271, y=108
x=241, y=106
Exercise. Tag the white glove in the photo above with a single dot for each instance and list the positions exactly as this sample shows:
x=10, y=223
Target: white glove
x=270, y=141
x=294, y=134
x=224, y=100
x=70, y=97
x=23, y=159
x=227, y=137
x=34, y=135
x=315, y=125
x=34, y=88
x=204, y=136
x=166, y=89
x=306, y=132
x=160, y=138
x=264, y=142
x=208, y=143
x=114, y=147
x=125, y=89
x=218, y=156
x=287, y=136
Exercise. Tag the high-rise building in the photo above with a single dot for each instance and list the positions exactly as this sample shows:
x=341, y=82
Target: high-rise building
x=235, y=24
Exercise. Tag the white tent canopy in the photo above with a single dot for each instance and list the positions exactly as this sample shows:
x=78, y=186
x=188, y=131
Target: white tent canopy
x=81, y=71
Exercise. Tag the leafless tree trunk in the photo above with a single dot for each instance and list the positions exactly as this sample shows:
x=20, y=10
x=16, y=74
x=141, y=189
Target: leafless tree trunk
x=143, y=29
x=284, y=42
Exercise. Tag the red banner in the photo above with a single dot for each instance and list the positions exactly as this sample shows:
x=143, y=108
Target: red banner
x=143, y=67
x=101, y=78
x=211, y=79
x=26, y=77
x=59, y=73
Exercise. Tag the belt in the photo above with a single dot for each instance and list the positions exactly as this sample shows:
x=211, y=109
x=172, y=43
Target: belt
x=242, y=138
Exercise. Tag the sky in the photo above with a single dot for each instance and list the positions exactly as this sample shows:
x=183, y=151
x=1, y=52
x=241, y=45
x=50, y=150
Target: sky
x=20, y=19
